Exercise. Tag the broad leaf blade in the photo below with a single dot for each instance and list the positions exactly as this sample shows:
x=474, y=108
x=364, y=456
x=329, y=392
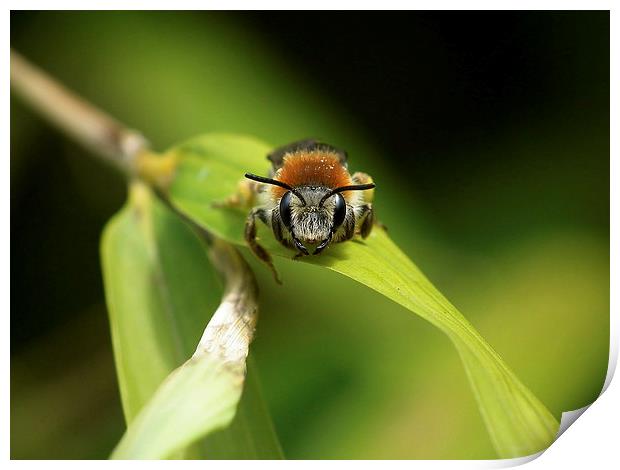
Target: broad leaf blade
x=161, y=290
x=251, y=434
x=209, y=169
x=518, y=423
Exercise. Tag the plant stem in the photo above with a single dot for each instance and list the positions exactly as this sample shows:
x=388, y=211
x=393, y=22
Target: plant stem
x=96, y=130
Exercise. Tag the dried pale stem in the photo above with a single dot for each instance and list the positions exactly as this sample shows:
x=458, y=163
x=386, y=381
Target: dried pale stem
x=231, y=329
x=97, y=131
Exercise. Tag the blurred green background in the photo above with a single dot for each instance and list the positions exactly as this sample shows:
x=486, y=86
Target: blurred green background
x=487, y=135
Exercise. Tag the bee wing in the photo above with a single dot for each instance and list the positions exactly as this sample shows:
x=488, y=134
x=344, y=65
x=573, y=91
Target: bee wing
x=277, y=156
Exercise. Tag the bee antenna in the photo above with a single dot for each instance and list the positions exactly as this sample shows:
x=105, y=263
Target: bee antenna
x=262, y=179
x=354, y=187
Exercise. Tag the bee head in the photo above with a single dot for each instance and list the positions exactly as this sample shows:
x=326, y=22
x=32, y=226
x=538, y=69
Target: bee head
x=311, y=214
x=310, y=219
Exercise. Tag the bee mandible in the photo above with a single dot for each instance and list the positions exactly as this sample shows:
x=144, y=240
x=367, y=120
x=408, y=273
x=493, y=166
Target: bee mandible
x=310, y=200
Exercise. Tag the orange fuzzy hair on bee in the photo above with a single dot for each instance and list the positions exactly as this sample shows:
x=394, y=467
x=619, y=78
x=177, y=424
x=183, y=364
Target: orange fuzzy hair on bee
x=311, y=168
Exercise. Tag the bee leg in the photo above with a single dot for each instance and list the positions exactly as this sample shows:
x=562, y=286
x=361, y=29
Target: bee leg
x=364, y=178
x=244, y=197
x=368, y=197
x=250, y=238
x=367, y=219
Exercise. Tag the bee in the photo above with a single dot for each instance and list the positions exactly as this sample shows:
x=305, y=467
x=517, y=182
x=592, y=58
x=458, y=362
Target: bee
x=309, y=200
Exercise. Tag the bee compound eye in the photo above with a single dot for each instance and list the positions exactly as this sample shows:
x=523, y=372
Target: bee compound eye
x=285, y=209
x=340, y=211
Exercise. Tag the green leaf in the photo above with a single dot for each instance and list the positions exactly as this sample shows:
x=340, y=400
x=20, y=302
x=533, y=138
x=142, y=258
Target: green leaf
x=197, y=398
x=251, y=434
x=209, y=169
x=161, y=290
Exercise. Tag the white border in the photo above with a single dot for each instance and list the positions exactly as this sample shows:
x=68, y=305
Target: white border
x=592, y=441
